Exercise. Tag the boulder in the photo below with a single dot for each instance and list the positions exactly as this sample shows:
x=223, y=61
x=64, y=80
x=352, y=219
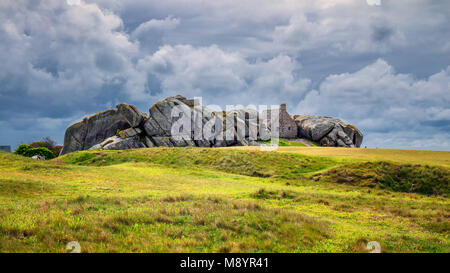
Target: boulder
x=134, y=117
x=160, y=120
x=327, y=131
x=130, y=132
x=148, y=142
x=96, y=128
x=314, y=129
x=38, y=157
x=162, y=142
x=118, y=143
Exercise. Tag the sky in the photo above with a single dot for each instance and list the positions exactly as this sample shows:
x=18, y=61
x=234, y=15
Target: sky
x=382, y=65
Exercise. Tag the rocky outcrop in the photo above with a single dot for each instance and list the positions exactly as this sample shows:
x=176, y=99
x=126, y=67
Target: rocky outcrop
x=327, y=131
x=178, y=122
x=118, y=143
x=96, y=128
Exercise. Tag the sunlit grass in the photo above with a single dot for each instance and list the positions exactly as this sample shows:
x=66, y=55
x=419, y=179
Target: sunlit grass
x=441, y=158
x=207, y=200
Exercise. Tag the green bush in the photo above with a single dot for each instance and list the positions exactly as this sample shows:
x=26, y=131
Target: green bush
x=47, y=143
x=29, y=151
x=42, y=151
x=22, y=149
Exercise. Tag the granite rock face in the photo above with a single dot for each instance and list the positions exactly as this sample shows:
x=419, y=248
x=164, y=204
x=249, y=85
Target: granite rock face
x=327, y=131
x=179, y=122
x=118, y=143
x=96, y=128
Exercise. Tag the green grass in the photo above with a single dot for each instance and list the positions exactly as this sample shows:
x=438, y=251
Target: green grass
x=222, y=200
x=285, y=142
x=435, y=158
x=422, y=179
x=250, y=163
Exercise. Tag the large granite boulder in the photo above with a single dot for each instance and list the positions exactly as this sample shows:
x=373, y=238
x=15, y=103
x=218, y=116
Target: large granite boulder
x=170, y=113
x=96, y=128
x=327, y=131
x=119, y=143
x=160, y=120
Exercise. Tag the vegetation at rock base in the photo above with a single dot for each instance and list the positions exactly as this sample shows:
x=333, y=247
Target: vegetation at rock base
x=29, y=151
x=49, y=144
x=46, y=148
x=250, y=163
x=223, y=200
x=286, y=142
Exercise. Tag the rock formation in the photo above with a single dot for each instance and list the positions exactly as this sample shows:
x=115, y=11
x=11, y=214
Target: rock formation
x=327, y=131
x=178, y=122
x=95, y=129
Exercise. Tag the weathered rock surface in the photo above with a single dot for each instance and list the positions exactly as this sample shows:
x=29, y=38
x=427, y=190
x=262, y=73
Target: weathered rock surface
x=180, y=122
x=327, y=131
x=118, y=143
x=96, y=128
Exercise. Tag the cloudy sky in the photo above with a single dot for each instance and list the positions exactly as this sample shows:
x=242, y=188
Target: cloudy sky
x=384, y=68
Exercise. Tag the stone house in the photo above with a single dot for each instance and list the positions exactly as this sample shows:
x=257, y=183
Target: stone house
x=287, y=126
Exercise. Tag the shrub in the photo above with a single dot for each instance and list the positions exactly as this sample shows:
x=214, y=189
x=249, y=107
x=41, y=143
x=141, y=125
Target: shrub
x=49, y=144
x=42, y=151
x=29, y=151
x=22, y=149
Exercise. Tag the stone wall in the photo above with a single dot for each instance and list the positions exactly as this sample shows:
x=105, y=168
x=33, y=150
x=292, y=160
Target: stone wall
x=287, y=126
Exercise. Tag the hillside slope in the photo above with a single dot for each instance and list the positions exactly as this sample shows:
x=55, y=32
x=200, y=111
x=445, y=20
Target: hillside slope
x=213, y=200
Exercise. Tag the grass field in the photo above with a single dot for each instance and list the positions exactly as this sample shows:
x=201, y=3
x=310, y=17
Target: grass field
x=439, y=158
x=297, y=199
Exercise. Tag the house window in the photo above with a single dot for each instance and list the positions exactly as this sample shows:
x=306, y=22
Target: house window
x=289, y=128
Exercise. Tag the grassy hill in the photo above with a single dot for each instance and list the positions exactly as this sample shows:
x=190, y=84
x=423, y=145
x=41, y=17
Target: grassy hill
x=297, y=199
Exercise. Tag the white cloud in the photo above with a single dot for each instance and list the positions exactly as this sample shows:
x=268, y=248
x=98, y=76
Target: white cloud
x=223, y=77
x=381, y=101
x=166, y=24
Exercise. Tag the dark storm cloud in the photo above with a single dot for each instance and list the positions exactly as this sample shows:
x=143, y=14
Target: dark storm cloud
x=387, y=65
x=381, y=34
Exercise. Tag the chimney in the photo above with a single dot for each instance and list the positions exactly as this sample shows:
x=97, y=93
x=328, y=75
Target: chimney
x=283, y=107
